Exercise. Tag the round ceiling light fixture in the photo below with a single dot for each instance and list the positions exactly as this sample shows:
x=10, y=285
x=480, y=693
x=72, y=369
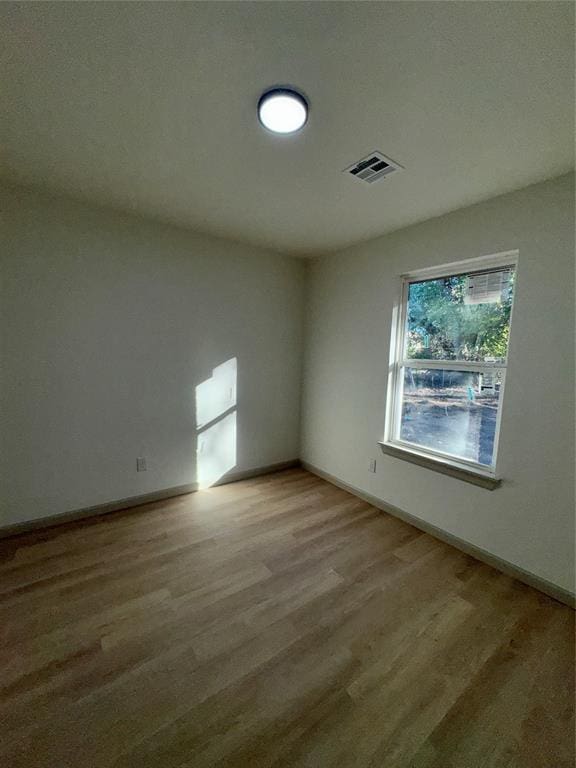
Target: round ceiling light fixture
x=282, y=110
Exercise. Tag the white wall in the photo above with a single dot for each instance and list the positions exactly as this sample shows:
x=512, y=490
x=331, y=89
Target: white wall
x=529, y=521
x=109, y=323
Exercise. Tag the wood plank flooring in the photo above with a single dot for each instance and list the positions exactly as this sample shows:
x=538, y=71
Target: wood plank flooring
x=280, y=622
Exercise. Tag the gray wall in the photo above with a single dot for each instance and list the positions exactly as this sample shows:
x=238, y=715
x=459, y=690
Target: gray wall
x=529, y=521
x=109, y=323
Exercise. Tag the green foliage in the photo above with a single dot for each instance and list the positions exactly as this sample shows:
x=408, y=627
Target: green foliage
x=442, y=326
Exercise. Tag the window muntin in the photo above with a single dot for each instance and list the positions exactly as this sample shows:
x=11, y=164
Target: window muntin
x=449, y=369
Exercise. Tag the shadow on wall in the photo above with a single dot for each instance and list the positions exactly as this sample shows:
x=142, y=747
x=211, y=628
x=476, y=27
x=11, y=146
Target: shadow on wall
x=216, y=424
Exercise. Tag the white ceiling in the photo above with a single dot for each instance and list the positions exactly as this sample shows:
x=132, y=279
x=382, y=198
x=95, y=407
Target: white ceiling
x=152, y=107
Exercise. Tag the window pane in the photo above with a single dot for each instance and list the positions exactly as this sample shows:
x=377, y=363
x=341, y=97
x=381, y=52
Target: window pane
x=451, y=411
x=463, y=317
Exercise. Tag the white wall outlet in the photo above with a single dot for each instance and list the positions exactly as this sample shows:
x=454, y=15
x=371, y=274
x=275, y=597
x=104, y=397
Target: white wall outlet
x=372, y=465
x=141, y=464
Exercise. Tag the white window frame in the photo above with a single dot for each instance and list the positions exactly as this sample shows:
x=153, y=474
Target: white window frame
x=398, y=362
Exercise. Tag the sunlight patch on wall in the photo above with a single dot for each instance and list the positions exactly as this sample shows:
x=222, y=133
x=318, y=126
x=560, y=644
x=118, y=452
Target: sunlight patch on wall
x=216, y=451
x=216, y=424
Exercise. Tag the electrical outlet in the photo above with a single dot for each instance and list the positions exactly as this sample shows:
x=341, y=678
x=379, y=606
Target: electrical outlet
x=372, y=465
x=141, y=464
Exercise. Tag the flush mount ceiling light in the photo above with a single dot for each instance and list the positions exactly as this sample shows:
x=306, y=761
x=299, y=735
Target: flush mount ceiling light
x=282, y=110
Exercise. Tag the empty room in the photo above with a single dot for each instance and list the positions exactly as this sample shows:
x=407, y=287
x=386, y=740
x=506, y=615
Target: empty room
x=287, y=387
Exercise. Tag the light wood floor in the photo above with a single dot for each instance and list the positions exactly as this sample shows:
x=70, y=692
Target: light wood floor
x=274, y=622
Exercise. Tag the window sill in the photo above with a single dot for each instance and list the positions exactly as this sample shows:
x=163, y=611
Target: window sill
x=466, y=475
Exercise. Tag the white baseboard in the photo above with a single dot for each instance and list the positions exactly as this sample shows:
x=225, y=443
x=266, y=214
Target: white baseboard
x=136, y=501
x=531, y=579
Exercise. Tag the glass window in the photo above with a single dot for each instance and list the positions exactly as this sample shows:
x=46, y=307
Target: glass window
x=451, y=412
x=449, y=371
x=457, y=318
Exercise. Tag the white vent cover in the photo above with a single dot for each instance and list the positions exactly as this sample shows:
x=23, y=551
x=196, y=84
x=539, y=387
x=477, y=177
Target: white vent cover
x=373, y=167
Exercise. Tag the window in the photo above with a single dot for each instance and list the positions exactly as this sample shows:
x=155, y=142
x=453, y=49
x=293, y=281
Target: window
x=450, y=349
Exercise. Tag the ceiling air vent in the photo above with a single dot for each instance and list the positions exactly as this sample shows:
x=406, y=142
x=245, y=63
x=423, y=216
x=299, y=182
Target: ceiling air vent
x=373, y=167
